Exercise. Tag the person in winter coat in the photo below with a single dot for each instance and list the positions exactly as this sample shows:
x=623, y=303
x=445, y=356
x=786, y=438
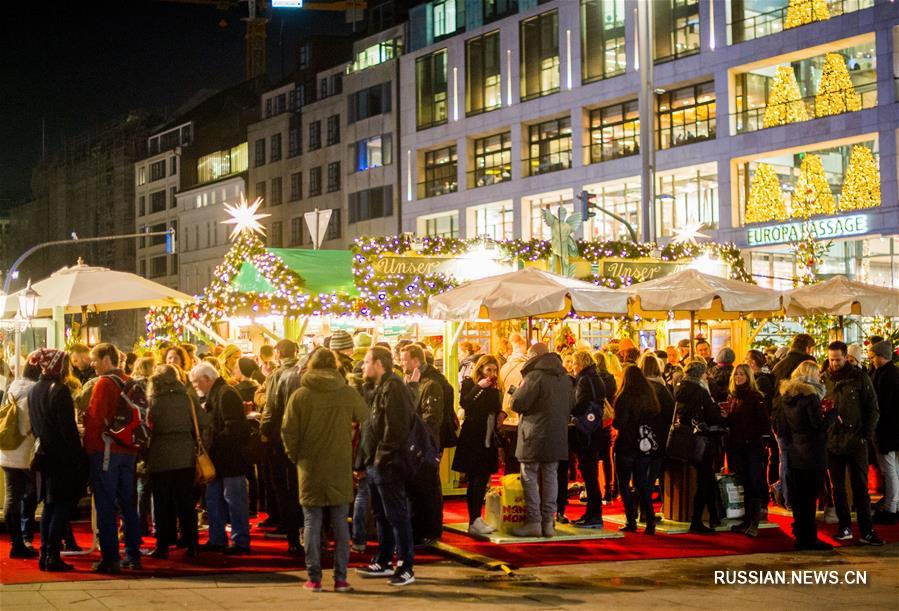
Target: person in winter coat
x=605, y=446
x=318, y=438
x=720, y=374
x=848, y=438
x=747, y=418
x=801, y=349
x=170, y=459
x=59, y=460
x=693, y=403
x=543, y=402
x=886, y=384
x=589, y=396
x=226, y=495
x=636, y=420
x=800, y=422
x=476, y=454
x=509, y=380
x=16, y=463
x=651, y=368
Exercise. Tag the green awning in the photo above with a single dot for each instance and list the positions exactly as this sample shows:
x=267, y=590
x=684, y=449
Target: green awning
x=324, y=271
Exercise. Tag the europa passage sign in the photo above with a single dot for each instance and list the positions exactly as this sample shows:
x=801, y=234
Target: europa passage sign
x=834, y=227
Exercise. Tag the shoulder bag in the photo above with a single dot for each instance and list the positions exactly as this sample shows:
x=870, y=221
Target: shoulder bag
x=683, y=441
x=205, y=470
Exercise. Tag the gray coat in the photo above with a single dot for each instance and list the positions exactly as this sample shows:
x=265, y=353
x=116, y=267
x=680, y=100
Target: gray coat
x=172, y=445
x=544, y=401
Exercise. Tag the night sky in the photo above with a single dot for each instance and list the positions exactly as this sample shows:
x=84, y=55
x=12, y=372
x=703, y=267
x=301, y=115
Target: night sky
x=78, y=64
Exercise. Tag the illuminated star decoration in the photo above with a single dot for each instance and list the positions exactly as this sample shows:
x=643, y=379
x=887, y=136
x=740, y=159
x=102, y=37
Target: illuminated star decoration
x=244, y=217
x=688, y=234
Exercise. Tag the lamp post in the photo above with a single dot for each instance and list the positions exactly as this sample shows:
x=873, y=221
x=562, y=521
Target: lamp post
x=28, y=306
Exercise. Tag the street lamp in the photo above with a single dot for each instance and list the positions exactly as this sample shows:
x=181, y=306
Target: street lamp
x=28, y=302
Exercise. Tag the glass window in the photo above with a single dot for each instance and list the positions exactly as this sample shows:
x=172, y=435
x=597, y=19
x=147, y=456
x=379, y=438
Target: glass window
x=444, y=17
x=296, y=231
x=315, y=135
x=482, y=74
x=260, y=192
x=686, y=115
x=370, y=204
x=142, y=175
x=754, y=19
x=157, y=170
x=492, y=160
x=618, y=197
x=431, y=87
x=141, y=205
x=173, y=199
x=368, y=102
x=497, y=9
x=614, y=131
x=260, y=152
x=676, y=29
x=495, y=221
x=315, y=181
x=333, y=230
x=687, y=196
x=277, y=195
x=549, y=146
x=444, y=226
x=539, y=53
x=333, y=129
x=538, y=227
x=158, y=267
x=157, y=201
x=333, y=176
x=440, y=172
x=602, y=39
x=276, y=235
x=376, y=54
x=296, y=186
x=173, y=166
x=294, y=136
x=275, y=146
x=374, y=152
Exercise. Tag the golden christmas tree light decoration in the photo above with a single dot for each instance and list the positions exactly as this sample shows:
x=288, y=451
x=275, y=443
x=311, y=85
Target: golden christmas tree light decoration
x=836, y=93
x=812, y=195
x=861, y=186
x=801, y=12
x=785, y=103
x=766, y=200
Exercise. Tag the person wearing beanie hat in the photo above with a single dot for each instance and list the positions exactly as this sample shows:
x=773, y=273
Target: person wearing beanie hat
x=245, y=384
x=855, y=355
x=229, y=358
x=886, y=384
x=342, y=346
x=720, y=373
x=362, y=341
x=341, y=340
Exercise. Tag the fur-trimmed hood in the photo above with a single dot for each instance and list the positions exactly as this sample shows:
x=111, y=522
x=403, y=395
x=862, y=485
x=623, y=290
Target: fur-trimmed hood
x=800, y=387
x=162, y=386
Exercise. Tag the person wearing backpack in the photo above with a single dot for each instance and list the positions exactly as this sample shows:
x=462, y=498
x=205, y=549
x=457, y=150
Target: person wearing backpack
x=590, y=433
x=16, y=460
x=636, y=415
x=112, y=465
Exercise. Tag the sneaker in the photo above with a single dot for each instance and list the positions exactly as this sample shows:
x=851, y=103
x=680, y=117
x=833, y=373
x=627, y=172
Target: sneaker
x=342, y=586
x=588, y=522
x=872, y=538
x=561, y=518
x=528, y=529
x=313, y=586
x=374, y=570
x=830, y=516
x=843, y=534
x=480, y=527
x=359, y=548
x=402, y=577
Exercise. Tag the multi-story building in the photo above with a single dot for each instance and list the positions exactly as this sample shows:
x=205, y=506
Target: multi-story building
x=519, y=106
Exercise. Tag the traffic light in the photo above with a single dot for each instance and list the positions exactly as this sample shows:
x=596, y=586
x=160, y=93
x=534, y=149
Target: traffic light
x=588, y=202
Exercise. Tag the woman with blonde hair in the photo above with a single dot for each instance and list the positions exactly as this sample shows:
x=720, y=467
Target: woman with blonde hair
x=590, y=446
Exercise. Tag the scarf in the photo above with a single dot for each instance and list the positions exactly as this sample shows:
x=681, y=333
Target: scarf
x=839, y=374
x=50, y=360
x=816, y=384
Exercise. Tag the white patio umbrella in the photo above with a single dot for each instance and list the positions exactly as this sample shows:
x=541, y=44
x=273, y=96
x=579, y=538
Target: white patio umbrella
x=690, y=294
x=81, y=286
x=527, y=293
x=840, y=296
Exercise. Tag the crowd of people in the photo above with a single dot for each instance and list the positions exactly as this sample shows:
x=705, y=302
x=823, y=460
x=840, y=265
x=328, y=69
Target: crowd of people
x=318, y=439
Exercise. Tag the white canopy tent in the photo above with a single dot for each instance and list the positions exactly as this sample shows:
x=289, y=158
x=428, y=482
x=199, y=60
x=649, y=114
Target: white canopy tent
x=840, y=296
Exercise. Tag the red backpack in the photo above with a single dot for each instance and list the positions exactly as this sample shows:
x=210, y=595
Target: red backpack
x=128, y=426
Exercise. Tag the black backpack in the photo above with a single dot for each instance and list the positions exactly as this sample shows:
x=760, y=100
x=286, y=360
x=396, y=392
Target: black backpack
x=420, y=450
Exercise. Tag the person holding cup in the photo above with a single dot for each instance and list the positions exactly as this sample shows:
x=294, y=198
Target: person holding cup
x=746, y=415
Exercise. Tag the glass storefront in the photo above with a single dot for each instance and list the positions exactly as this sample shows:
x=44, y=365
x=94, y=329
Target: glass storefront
x=686, y=196
x=620, y=197
x=536, y=227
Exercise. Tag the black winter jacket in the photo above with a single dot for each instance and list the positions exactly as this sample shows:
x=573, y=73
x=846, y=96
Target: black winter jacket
x=588, y=387
x=230, y=430
x=799, y=422
x=784, y=367
x=886, y=383
x=387, y=428
x=472, y=454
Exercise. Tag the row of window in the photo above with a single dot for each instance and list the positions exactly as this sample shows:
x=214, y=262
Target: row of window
x=157, y=202
x=158, y=266
x=683, y=116
x=157, y=170
x=275, y=196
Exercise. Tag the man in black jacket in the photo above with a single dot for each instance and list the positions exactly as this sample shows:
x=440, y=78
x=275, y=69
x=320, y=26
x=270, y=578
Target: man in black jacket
x=226, y=495
x=382, y=457
x=281, y=472
x=886, y=383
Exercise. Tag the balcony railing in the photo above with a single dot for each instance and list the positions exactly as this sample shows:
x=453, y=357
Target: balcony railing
x=483, y=177
x=773, y=22
x=606, y=150
x=550, y=162
x=753, y=119
x=433, y=188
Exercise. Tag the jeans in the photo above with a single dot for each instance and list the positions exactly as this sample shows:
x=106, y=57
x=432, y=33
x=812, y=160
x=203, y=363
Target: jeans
x=145, y=509
x=889, y=466
x=390, y=505
x=286, y=488
x=173, y=497
x=54, y=521
x=474, y=494
x=749, y=464
x=538, y=479
x=227, y=496
x=360, y=513
x=114, y=494
x=706, y=496
x=857, y=463
x=312, y=542
x=784, y=468
x=634, y=468
x=17, y=483
x=805, y=484
x=589, y=468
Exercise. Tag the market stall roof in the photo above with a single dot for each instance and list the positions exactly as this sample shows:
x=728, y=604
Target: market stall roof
x=690, y=292
x=323, y=271
x=98, y=288
x=840, y=296
x=527, y=292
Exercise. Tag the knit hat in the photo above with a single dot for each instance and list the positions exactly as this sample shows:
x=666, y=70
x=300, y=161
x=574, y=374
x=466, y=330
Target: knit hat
x=362, y=340
x=883, y=349
x=537, y=349
x=695, y=369
x=247, y=366
x=341, y=340
x=855, y=351
x=726, y=356
x=684, y=343
x=50, y=360
x=229, y=351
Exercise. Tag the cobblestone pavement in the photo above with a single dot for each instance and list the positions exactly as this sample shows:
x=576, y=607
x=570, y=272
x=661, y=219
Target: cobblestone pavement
x=611, y=585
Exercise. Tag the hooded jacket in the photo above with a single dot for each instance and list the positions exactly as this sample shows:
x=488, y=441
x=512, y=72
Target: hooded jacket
x=784, y=367
x=230, y=430
x=275, y=400
x=428, y=397
x=857, y=412
x=886, y=383
x=544, y=401
x=20, y=458
x=173, y=427
x=800, y=423
x=318, y=436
